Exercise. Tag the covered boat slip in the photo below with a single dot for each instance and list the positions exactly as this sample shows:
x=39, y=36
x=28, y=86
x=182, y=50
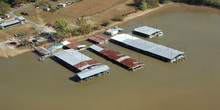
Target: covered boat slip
x=97, y=39
x=152, y=49
x=95, y=71
x=146, y=31
x=73, y=44
x=74, y=60
x=116, y=57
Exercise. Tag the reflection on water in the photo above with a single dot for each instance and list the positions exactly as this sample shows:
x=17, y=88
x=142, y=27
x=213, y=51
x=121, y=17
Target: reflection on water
x=27, y=84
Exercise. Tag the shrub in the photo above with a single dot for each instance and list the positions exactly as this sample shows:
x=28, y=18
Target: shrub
x=53, y=10
x=106, y=23
x=143, y=5
x=118, y=18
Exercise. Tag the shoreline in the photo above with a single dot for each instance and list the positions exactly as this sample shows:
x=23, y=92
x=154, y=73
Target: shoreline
x=14, y=52
x=131, y=16
x=139, y=13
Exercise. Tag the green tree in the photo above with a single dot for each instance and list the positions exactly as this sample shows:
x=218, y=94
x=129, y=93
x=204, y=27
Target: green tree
x=63, y=28
x=143, y=5
x=17, y=2
x=4, y=8
x=84, y=27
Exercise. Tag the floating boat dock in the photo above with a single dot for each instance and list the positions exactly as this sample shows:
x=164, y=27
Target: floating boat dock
x=148, y=32
x=81, y=64
x=113, y=31
x=97, y=39
x=116, y=57
x=42, y=51
x=75, y=60
x=148, y=48
x=89, y=74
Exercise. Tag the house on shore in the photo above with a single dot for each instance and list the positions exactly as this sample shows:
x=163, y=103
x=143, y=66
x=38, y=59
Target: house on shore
x=14, y=22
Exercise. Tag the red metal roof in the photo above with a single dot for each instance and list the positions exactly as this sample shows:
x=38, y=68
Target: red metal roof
x=97, y=38
x=88, y=62
x=73, y=44
x=114, y=55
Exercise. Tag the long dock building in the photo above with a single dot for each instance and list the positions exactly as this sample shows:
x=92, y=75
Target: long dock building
x=84, y=66
x=116, y=57
x=75, y=60
x=148, y=48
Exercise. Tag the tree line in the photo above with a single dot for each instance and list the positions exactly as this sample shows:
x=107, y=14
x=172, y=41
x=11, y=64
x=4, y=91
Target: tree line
x=144, y=4
x=64, y=29
x=213, y=3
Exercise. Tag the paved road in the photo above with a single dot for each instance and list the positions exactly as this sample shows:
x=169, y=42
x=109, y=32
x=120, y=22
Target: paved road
x=28, y=21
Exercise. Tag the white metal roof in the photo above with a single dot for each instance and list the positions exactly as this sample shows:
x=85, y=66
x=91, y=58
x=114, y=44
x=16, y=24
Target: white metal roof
x=65, y=42
x=21, y=18
x=93, y=71
x=114, y=30
x=145, y=45
x=122, y=58
x=96, y=48
x=72, y=57
x=146, y=30
x=10, y=23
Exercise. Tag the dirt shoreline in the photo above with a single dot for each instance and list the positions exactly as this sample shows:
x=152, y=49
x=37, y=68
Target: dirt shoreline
x=7, y=53
x=127, y=18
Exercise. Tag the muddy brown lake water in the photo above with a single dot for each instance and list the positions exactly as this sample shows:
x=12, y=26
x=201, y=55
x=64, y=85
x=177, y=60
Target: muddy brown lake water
x=27, y=84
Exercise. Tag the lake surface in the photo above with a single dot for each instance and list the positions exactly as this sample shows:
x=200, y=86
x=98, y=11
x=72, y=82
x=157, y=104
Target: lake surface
x=27, y=84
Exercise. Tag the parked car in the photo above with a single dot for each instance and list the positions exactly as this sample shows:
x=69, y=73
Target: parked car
x=58, y=7
x=35, y=40
x=69, y=3
x=46, y=9
x=24, y=13
x=61, y=5
x=12, y=39
x=47, y=24
x=13, y=43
